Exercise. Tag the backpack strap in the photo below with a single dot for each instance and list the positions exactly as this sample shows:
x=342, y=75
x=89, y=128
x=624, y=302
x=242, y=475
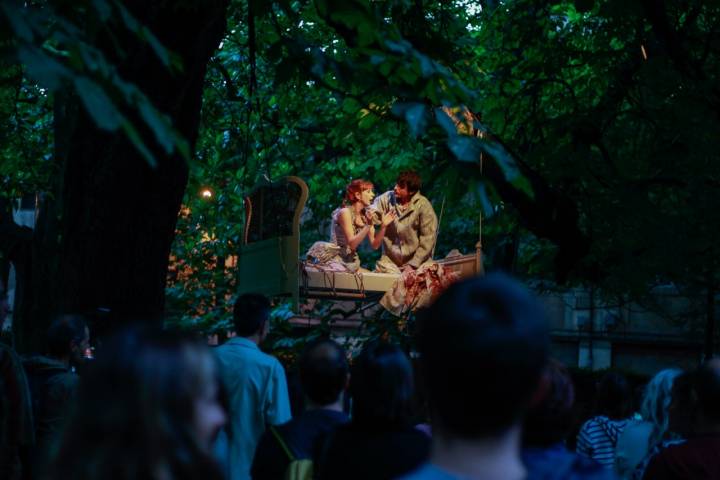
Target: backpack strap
x=282, y=443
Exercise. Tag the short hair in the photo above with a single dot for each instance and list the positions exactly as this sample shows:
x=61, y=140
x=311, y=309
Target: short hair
x=410, y=180
x=613, y=396
x=382, y=387
x=707, y=387
x=356, y=186
x=323, y=371
x=550, y=420
x=483, y=345
x=250, y=313
x=64, y=330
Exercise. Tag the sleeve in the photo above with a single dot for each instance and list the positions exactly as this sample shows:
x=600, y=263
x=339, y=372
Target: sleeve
x=380, y=205
x=277, y=410
x=426, y=236
x=584, y=444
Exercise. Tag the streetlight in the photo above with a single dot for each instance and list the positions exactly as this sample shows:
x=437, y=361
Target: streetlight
x=206, y=193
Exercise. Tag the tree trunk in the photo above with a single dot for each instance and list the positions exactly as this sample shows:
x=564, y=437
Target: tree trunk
x=710, y=319
x=109, y=251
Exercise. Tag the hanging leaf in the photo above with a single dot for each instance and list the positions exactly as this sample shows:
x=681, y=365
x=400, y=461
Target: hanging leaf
x=42, y=67
x=134, y=137
x=17, y=19
x=98, y=104
x=445, y=121
x=158, y=123
x=465, y=149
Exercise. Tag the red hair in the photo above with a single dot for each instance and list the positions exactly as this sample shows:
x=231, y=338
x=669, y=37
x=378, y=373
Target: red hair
x=356, y=186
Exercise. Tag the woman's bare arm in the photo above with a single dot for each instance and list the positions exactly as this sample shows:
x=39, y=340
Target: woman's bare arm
x=345, y=220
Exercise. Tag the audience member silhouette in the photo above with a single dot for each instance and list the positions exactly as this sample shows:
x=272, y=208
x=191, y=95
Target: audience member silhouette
x=697, y=456
x=16, y=422
x=324, y=375
x=483, y=346
x=53, y=380
x=545, y=430
x=147, y=408
x=255, y=384
x=598, y=436
x=640, y=436
x=380, y=442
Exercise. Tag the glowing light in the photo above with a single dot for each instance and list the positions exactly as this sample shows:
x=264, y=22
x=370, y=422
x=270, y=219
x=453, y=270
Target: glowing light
x=644, y=53
x=206, y=193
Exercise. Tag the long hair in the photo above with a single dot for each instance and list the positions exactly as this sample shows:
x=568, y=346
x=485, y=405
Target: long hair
x=353, y=188
x=135, y=413
x=656, y=402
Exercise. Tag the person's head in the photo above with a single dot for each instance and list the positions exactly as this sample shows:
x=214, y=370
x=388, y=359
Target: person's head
x=408, y=183
x=147, y=405
x=359, y=190
x=656, y=400
x=707, y=387
x=483, y=345
x=68, y=337
x=549, y=420
x=250, y=315
x=381, y=386
x=613, y=396
x=323, y=372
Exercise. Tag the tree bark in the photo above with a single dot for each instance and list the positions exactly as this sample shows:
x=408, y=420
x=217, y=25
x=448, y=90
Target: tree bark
x=105, y=249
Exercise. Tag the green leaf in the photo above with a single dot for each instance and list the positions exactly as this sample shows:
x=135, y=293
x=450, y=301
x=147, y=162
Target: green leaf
x=159, y=124
x=103, y=9
x=98, y=104
x=42, y=67
x=465, y=149
x=134, y=137
x=445, y=121
x=416, y=115
x=17, y=19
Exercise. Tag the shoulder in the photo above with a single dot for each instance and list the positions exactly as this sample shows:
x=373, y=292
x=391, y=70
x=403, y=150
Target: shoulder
x=588, y=425
x=428, y=471
x=248, y=353
x=268, y=361
x=383, y=199
x=63, y=382
x=637, y=428
x=343, y=213
x=421, y=202
x=595, y=422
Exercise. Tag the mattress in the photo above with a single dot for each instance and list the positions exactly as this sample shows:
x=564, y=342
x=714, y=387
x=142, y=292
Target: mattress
x=314, y=283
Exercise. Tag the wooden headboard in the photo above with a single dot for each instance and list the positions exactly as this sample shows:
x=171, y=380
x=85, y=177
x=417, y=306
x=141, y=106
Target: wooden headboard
x=268, y=257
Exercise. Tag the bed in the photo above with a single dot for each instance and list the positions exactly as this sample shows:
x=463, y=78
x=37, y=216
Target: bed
x=269, y=258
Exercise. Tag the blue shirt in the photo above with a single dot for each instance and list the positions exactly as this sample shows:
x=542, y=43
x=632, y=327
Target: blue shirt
x=556, y=462
x=257, y=393
x=428, y=471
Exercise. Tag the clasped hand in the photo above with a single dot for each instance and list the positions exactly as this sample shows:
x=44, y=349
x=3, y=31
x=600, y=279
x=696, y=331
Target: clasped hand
x=386, y=219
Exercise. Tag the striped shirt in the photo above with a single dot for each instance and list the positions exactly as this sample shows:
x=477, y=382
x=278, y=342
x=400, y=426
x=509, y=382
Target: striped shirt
x=598, y=437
